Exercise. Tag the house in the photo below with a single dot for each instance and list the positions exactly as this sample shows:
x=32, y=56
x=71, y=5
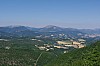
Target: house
x=81, y=46
x=42, y=48
x=33, y=39
x=82, y=41
x=76, y=43
x=47, y=49
x=7, y=47
x=57, y=46
x=75, y=46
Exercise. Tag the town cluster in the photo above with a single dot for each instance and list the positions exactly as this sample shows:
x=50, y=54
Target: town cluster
x=64, y=44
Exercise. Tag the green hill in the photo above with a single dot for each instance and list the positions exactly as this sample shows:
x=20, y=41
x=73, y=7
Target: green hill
x=15, y=52
x=88, y=56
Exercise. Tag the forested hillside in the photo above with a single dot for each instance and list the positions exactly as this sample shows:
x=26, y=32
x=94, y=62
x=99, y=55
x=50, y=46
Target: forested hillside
x=22, y=52
x=88, y=56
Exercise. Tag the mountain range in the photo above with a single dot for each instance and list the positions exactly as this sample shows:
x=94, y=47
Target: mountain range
x=49, y=30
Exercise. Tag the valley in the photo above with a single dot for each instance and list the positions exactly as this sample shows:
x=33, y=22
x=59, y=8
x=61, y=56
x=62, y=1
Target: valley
x=25, y=46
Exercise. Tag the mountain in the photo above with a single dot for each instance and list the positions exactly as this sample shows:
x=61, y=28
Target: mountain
x=17, y=31
x=88, y=56
x=91, y=31
x=11, y=29
x=51, y=28
x=48, y=31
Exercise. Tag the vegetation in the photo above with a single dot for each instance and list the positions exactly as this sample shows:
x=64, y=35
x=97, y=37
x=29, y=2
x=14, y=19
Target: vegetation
x=22, y=52
x=88, y=56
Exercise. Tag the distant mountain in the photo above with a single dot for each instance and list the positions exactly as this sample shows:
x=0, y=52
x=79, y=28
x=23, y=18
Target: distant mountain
x=91, y=31
x=51, y=28
x=48, y=31
x=11, y=29
x=17, y=31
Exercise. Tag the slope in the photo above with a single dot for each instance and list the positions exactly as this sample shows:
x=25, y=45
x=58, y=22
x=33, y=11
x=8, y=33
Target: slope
x=88, y=56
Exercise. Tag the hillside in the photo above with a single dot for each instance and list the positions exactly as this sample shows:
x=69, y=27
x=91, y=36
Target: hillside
x=88, y=56
x=22, y=52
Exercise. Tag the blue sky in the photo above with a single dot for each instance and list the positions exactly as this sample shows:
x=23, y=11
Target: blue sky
x=39, y=13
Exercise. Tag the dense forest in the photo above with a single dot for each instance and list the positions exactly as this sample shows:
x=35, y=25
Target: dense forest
x=23, y=52
x=88, y=56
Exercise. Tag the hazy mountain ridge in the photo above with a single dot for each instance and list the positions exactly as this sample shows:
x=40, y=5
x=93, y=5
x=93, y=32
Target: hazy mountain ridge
x=45, y=31
x=91, y=31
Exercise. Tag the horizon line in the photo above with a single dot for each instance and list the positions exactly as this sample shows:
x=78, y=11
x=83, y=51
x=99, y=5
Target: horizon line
x=45, y=26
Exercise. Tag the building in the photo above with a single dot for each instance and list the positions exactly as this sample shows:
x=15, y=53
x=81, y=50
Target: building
x=42, y=48
x=81, y=46
x=82, y=41
x=64, y=42
x=76, y=43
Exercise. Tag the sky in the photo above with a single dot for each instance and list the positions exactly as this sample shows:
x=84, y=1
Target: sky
x=39, y=13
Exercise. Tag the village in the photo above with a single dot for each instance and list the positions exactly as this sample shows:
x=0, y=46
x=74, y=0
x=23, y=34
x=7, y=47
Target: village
x=64, y=44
